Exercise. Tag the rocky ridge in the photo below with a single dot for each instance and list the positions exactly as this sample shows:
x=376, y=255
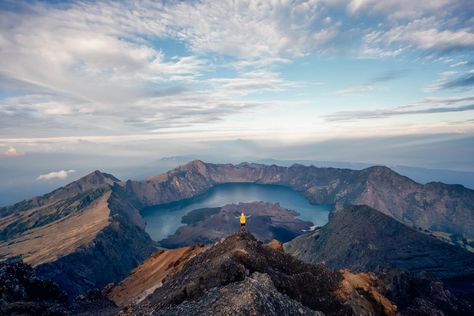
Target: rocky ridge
x=363, y=239
x=434, y=206
x=240, y=275
x=81, y=236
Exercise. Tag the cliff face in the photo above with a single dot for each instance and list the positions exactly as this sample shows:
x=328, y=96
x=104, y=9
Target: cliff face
x=362, y=239
x=434, y=206
x=82, y=236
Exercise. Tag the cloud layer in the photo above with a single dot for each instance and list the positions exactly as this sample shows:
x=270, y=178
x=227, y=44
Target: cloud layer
x=117, y=69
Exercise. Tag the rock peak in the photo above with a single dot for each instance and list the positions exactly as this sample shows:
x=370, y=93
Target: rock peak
x=196, y=162
x=93, y=180
x=238, y=269
x=98, y=177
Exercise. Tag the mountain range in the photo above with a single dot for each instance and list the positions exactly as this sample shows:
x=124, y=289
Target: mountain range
x=90, y=233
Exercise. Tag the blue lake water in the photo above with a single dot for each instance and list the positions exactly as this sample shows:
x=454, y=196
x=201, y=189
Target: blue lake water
x=164, y=220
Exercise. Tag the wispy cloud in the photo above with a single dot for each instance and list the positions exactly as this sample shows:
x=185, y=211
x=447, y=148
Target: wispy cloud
x=426, y=106
x=61, y=174
x=448, y=81
x=370, y=85
x=460, y=63
x=389, y=76
x=427, y=34
x=356, y=89
x=461, y=82
x=253, y=81
x=397, y=9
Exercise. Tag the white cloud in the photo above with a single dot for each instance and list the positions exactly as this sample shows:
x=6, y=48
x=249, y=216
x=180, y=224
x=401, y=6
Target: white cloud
x=424, y=34
x=12, y=152
x=460, y=63
x=61, y=174
x=247, y=29
x=397, y=9
x=94, y=65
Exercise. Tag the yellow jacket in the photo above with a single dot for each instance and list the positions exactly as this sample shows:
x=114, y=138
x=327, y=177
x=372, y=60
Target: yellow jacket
x=243, y=219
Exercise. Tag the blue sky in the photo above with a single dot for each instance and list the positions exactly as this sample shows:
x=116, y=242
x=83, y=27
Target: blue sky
x=147, y=79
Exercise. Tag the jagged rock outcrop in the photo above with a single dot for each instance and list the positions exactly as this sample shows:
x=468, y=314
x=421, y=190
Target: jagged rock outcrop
x=434, y=206
x=420, y=294
x=82, y=236
x=226, y=267
x=255, y=295
x=267, y=221
x=399, y=292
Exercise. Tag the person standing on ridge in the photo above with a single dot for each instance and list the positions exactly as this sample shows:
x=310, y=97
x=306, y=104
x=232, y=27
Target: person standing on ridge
x=243, y=220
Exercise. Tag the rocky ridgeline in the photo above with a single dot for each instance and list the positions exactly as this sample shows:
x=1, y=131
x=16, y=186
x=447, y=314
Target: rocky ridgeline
x=81, y=236
x=434, y=206
x=242, y=276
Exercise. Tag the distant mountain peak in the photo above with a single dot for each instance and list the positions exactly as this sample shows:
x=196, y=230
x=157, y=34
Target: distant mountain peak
x=197, y=164
x=95, y=179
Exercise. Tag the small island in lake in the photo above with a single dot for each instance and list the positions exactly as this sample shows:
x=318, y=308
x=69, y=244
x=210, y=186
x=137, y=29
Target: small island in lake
x=267, y=221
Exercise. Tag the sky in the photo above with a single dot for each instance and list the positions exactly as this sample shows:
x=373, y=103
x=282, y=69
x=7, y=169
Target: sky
x=122, y=83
